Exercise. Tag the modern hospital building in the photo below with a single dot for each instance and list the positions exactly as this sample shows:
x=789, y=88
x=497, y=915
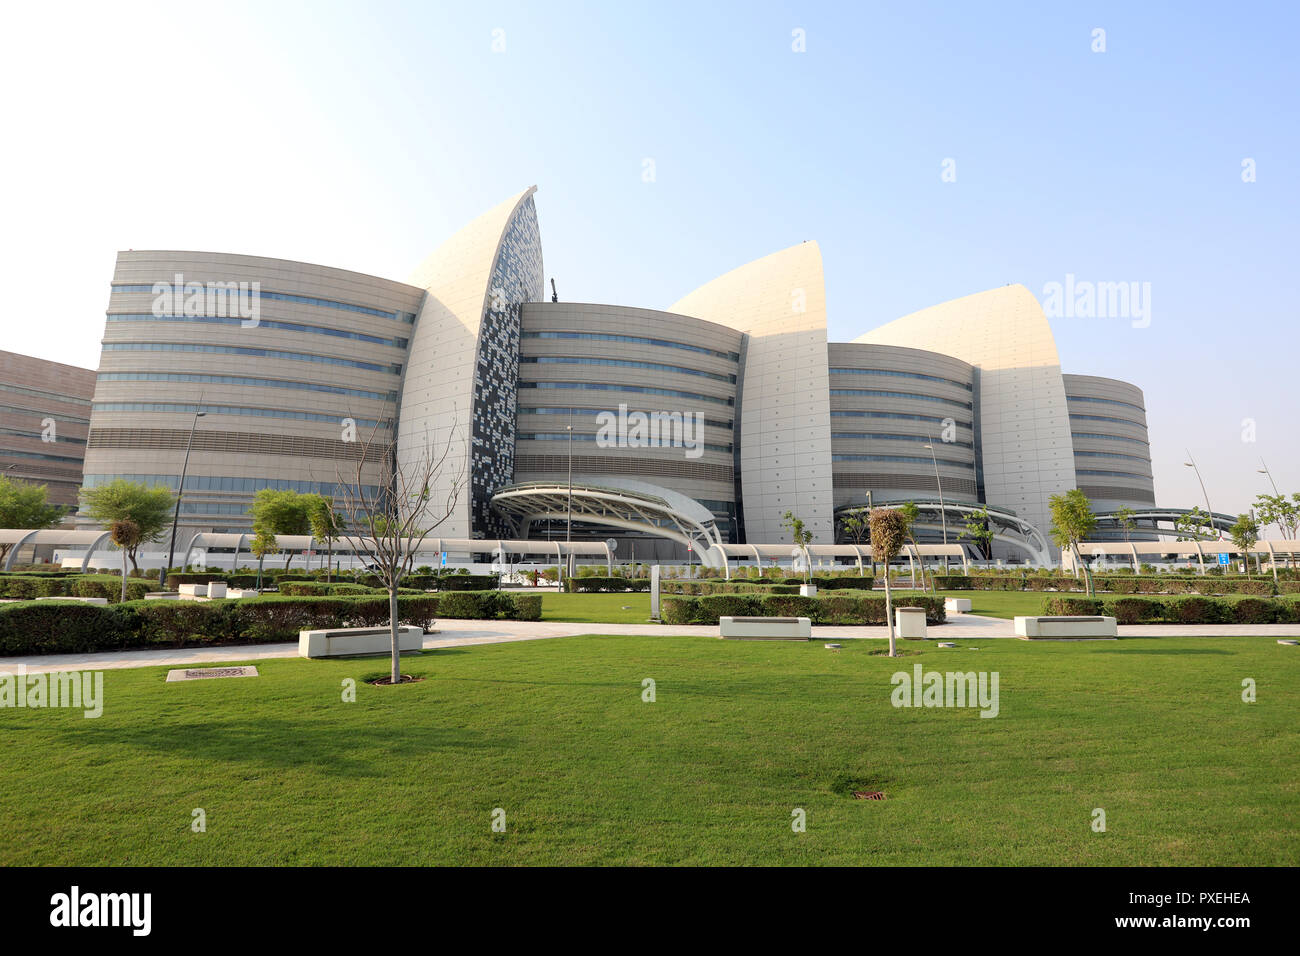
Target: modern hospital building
x=747, y=410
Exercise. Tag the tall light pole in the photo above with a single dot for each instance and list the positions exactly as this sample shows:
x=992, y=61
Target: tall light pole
x=568, y=524
x=1191, y=463
x=943, y=512
x=180, y=491
x=1262, y=471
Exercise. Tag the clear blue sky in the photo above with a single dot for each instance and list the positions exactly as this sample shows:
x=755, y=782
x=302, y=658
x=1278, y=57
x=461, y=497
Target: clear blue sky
x=362, y=135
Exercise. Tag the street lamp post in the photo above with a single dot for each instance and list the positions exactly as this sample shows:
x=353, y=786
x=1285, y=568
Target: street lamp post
x=568, y=524
x=180, y=491
x=943, y=511
x=1264, y=471
x=1191, y=463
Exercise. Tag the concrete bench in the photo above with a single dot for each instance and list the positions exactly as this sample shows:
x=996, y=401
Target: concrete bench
x=956, y=605
x=358, y=641
x=1072, y=628
x=765, y=628
x=83, y=600
x=242, y=593
x=910, y=622
x=192, y=590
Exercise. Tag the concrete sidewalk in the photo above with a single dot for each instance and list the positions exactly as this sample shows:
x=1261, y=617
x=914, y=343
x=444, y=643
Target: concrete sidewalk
x=961, y=627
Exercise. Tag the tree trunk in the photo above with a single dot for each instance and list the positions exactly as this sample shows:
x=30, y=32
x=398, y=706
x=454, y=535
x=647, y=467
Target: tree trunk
x=124, y=574
x=1087, y=574
x=889, y=614
x=392, y=633
x=329, y=560
x=131, y=555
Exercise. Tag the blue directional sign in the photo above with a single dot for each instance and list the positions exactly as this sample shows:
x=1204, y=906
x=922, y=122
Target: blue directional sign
x=1225, y=559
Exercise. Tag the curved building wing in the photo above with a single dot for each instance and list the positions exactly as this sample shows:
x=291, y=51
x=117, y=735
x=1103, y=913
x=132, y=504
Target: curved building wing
x=783, y=429
x=458, y=394
x=1025, y=453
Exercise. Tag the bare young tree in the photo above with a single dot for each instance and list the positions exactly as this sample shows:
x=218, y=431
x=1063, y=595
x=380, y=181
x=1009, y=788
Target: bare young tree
x=388, y=526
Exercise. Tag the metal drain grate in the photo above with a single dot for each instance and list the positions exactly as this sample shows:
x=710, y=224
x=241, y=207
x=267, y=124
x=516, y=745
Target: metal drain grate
x=868, y=795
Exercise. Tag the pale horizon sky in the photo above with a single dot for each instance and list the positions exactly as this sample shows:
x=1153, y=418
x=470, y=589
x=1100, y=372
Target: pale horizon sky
x=361, y=136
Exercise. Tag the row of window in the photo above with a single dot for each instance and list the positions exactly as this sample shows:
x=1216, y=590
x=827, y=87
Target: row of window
x=872, y=436
x=262, y=324
x=896, y=374
x=241, y=350
x=1104, y=418
x=530, y=410
x=871, y=392
x=1103, y=401
x=239, y=380
x=910, y=459
x=39, y=457
x=21, y=410
x=1112, y=474
x=37, y=393
x=898, y=416
x=1137, y=441
x=231, y=410
x=638, y=389
x=623, y=363
x=247, y=486
x=34, y=433
x=632, y=340
x=1109, y=454
x=406, y=317
x=674, y=442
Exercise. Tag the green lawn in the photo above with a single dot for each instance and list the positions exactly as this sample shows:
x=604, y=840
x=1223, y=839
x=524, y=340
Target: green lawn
x=596, y=608
x=555, y=732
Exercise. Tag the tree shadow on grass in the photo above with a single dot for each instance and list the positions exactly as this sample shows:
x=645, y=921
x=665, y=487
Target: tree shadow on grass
x=278, y=743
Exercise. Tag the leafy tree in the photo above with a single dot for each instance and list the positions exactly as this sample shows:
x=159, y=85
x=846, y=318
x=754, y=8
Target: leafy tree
x=263, y=543
x=1195, y=525
x=856, y=526
x=1278, y=510
x=326, y=525
x=911, y=515
x=126, y=535
x=1245, y=535
x=1072, y=522
x=801, y=536
x=888, y=529
x=281, y=512
x=1126, y=518
x=148, y=507
x=979, y=529
x=26, y=506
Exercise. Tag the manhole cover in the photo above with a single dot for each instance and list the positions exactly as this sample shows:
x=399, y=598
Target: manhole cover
x=868, y=795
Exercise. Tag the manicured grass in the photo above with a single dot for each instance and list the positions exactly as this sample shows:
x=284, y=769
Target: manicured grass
x=596, y=608
x=556, y=734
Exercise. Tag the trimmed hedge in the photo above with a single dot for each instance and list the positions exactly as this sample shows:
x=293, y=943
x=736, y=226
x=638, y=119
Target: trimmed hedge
x=846, y=607
x=27, y=587
x=1180, y=610
x=786, y=586
x=592, y=583
x=319, y=588
x=1114, y=584
x=47, y=628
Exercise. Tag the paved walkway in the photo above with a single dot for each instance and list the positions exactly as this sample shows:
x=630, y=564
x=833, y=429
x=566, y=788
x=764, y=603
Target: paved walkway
x=963, y=627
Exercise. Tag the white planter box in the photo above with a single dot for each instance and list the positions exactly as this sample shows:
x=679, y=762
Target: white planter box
x=193, y=590
x=910, y=622
x=765, y=628
x=356, y=641
x=216, y=589
x=956, y=605
x=808, y=590
x=1066, y=628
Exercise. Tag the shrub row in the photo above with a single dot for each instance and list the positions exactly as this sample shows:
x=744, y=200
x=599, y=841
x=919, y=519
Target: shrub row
x=1114, y=584
x=592, y=583
x=1180, y=610
x=46, y=628
x=845, y=608
x=26, y=587
x=786, y=586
